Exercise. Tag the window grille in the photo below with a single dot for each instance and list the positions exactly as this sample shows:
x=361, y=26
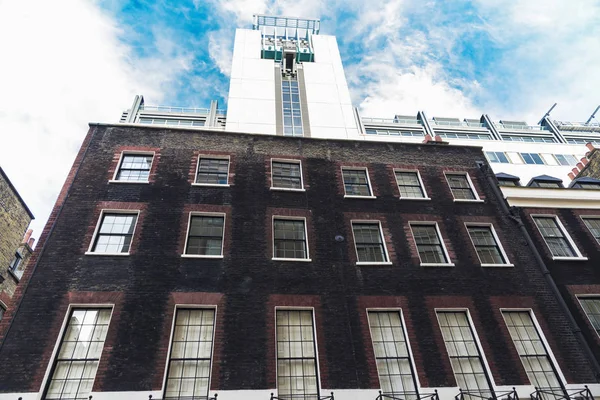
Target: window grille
x=289, y=239
x=593, y=224
x=429, y=245
x=115, y=233
x=591, y=306
x=212, y=171
x=205, y=236
x=135, y=168
x=554, y=236
x=369, y=242
x=409, y=184
x=488, y=249
x=460, y=187
x=292, y=113
x=286, y=175
x=356, y=182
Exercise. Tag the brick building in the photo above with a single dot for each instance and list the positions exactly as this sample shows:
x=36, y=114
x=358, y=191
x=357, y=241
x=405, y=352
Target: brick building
x=15, y=243
x=180, y=263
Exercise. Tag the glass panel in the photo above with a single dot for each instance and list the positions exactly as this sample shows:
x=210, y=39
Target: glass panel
x=369, y=243
x=593, y=224
x=557, y=243
x=115, y=233
x=213, y=171
x=286, y=175
x=356, y=182
x=205, y=236
x=428, y=244
x=134, y=167
x=409, y=185
x=289, y=239
x=591, y=306
x=460, y=187
x=291, y=107
x=485, y=244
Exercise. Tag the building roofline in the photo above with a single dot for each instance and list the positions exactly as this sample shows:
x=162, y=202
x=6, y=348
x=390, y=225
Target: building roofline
x=432, y=143
x=16, y=193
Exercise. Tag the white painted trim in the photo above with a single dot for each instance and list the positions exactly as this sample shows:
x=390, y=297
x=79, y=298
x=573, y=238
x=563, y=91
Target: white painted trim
x=591, y=296
x=275, y=189
x=370, y=187
x=212, y=347
x=542, y=337
x=475, y=337
x=426, y=197
x=448, y=262
x=468, y=200
x=131, y=182
x=132, y=152
x=212, y=157
x=406, y=339
x=370, y=221
x=578, y=257
x=112, y=211
x=288, y=161
x=187, y=234
x=524, y=196
x=316, y=342
x=469, y=181
x=292, y=218
x=507, y=262
x=70, y=308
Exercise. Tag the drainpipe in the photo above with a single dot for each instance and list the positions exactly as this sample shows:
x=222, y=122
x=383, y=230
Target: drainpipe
x=486, y=170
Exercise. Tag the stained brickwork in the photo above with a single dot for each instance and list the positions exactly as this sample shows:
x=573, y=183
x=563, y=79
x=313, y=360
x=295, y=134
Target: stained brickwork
x=14, y=220
x=246, y=284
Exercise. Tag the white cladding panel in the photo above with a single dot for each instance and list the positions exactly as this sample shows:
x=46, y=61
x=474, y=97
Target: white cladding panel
x=251, y=103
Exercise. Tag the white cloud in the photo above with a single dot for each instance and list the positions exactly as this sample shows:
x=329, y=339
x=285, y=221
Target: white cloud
x=64, y=66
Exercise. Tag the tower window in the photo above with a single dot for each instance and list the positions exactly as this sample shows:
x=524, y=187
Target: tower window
x=292, y=114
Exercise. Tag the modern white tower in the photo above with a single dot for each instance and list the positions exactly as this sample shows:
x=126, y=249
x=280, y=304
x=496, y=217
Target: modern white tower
x=286, y=79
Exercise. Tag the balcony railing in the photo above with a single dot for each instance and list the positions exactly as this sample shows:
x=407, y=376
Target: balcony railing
x=562, y=394
x=302, y=397
x=178, y=110
x=457, y=123
x=487, y=395
x=401, y=121
x=184, y=397
x=513, y=127
x=412, y=396
x=577, y=124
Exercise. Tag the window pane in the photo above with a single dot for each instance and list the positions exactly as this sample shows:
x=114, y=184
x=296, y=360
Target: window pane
x=205, y=236
x=391, y=353
x=134, y=167
x=289, y=239
x=593, y=224
x=356, y=182
x=485, y=244
x=191, y=352
x=428, y=244
x=591, y=306
x=212, y=171
x=409, y=185
x=460, y=187
x=291, y=107
x=555, y=239
x=463, y=351
x=115, y=233
x=296, y=356
x=286, y=175
x=369, y=243
x=531, y=349
x=75, y=367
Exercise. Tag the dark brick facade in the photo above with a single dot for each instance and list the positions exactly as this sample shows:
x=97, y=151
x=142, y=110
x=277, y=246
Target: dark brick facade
x=246, y=284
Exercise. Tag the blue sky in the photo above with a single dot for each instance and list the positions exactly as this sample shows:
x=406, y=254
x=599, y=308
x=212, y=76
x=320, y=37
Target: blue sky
x=78, y=61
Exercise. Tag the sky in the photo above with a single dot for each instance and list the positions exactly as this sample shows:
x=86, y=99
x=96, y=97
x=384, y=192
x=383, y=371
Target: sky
x=70, y=62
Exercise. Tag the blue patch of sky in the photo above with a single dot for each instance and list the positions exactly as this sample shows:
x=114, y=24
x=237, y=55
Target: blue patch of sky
x=145, y=24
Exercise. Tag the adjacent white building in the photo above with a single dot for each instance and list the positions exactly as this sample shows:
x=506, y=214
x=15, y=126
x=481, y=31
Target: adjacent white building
x=287, y=79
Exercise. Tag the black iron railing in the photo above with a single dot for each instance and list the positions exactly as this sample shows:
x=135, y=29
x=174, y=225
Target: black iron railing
x=411, y=396
x=302, y=397
x=487, y=395
x=559, y=393
x=214, y=397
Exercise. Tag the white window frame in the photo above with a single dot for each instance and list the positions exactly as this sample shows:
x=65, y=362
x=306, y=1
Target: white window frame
x=475, y=336
x=596, y=217
x=97, y=230
x=406, y=338
x=65, y=323
x=212, y=351
x=314, y=317
x=441, y=239
x=539, y=155
x=579, y=256
x=387, y=255
x=426, y=196
x=542, y=337
x=283, y=217
x=370, y=186
x=498, y=243
x=477, y=199
x=288, y=161
x=590, y=296
x=187, y=233
x=213, y=157
x=135, y=153
x=565, y=165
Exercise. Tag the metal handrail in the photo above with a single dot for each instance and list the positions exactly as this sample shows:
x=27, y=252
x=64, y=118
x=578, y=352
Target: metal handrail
x=369, y=120
x=175, y=109
x=521, y=127
x=495, y=395
x=570, y=123
x=458, y=123
x=184, y=397
x=420, y=396
x=291, y=397
x=560, y=393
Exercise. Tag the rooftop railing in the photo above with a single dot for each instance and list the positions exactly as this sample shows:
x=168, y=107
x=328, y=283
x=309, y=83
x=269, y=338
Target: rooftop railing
x=562, y=394
x=514, y=127
x=404, y=121
x=410, y=396
x=180, y=110
x=457, y=123
x=577, y=124
x=302, y=397
x=184, y=397
x=487, y=395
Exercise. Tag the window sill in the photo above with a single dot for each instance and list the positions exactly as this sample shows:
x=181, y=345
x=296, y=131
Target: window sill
x=497, y=265
x=350, y=196
x=134, y=182
x=211, y=184
x=374, y=263
x=93, y=253
x=287, y=189
x=468, y=201
x=415, y=198
x=291, y=259
x=570, y=258
x=437, y=264
x=199, y=256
